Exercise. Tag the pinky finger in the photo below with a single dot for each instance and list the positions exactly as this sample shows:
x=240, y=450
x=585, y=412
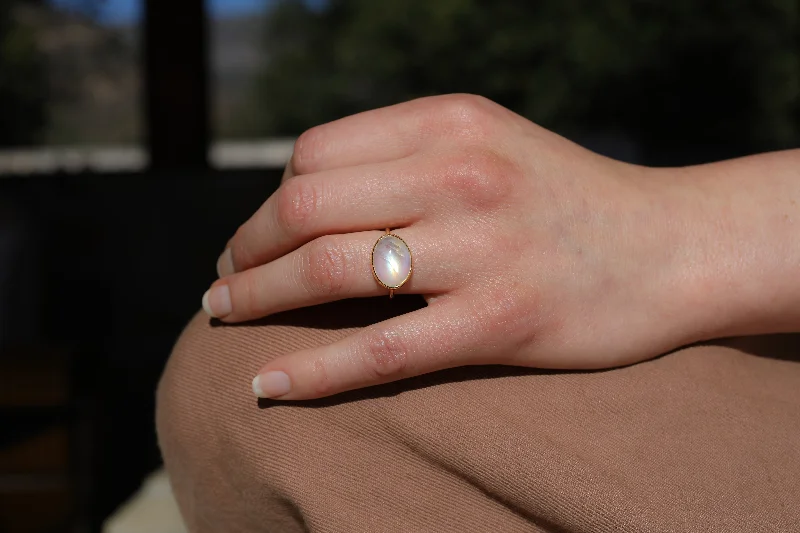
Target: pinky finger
x=433, y=338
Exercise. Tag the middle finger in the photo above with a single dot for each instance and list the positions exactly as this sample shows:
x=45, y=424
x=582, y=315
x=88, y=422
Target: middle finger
x=334, y=201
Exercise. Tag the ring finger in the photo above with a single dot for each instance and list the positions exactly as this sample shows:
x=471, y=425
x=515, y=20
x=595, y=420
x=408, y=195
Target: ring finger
x=329, y=268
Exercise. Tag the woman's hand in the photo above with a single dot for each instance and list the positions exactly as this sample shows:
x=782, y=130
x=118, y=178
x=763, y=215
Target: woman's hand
x=529, y=249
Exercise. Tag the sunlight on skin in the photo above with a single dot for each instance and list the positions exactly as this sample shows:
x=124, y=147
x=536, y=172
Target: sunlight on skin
x=529, y=249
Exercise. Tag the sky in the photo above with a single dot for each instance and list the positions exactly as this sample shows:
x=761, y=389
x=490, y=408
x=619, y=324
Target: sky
x=127, y=11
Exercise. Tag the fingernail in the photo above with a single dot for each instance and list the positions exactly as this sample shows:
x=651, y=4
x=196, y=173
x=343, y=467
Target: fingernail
x=271, y=385
x=217, y=301
x=225, y=264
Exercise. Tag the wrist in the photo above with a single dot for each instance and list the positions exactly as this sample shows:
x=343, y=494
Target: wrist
x=733, y=226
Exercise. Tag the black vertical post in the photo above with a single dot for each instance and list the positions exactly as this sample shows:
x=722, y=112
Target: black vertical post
x=176, y=83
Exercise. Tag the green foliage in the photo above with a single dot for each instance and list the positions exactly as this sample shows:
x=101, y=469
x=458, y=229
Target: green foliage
x=22, y=81
x=721, y=73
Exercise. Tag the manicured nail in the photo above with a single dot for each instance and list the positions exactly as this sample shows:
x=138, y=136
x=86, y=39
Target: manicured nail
x=217, y=301
x=271, y=385
x=225, y=264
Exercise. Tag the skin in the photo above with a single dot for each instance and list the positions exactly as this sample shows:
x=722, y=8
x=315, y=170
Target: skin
x=530, y=250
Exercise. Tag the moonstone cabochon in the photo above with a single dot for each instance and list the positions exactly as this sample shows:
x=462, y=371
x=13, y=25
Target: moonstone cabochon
x=391, y=261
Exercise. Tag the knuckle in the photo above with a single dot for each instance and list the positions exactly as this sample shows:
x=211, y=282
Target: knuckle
x=468, y=115
x=241, y=252
x=246, y=290
x=322, y=385
x=385, y=354
x=481, y=178
x=309, y=149
x=297, y=203
x=327, y=268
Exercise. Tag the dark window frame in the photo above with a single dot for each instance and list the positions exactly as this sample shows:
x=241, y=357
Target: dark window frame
x=176, y=83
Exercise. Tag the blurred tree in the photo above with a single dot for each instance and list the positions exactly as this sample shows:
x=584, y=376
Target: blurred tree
x=88, y=8
x=66, y=78
x=695, y=80
x=22, y=80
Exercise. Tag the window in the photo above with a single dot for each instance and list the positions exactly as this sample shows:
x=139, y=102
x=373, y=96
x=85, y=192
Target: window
x=70, y=86
x=654, y=82
x=239, y=52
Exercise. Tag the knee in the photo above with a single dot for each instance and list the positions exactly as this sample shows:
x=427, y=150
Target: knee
x=179, y=402
x=210, y=445
x=232, y=462
x=187, y=431
x=237, y=465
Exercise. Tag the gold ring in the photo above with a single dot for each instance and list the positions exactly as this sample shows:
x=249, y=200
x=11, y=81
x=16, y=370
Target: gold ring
x=392, y=262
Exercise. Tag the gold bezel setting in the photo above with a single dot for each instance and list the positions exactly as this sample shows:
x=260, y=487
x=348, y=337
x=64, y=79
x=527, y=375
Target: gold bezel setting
x=411, y=262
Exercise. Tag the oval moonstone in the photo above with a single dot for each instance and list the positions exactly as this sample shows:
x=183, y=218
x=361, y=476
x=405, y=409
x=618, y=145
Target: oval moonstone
x=391, y=261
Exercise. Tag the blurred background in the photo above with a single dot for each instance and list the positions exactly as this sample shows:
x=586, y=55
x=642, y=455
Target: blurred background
x=135, y=135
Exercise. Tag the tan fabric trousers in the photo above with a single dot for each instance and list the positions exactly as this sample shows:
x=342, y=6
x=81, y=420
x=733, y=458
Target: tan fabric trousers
x=703, y=439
